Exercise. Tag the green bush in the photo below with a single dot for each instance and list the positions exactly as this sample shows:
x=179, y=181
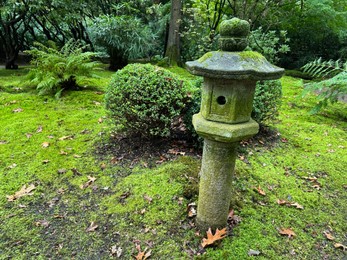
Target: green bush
x=57, y=70
x=267, y=101
x=145, y=99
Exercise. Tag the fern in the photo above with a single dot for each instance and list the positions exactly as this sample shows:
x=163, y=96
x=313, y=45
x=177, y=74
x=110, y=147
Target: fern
x=332, y=84
x=58, y=70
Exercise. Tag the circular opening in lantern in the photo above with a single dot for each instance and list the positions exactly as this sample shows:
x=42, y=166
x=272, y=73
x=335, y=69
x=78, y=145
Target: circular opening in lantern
x=221, y=100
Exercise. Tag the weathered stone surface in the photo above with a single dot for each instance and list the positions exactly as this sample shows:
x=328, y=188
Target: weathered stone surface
x=247, y=65
x=222, y=132
x=215, y=184
x=227, y=101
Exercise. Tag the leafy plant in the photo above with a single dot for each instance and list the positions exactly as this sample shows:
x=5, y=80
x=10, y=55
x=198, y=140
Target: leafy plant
x=333, y=85
x=145, y=99
x=57, y=70
x=267, y=101
x=122, y=37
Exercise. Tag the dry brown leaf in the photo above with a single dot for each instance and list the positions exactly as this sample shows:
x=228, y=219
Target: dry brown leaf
x=66, y=137
x=142, y=255
x=287, y=232
x=329, y=236
x=17, y=110
x=147, y=198
x=43, y=223
x=45, y=144
x=39, y=129
x=220, y=234
x=297, y=205
x=77, y=156
x=3, y=142
x=92, y=227
x=338, y=245
x=24, y=191
x=100, y=120
x=88, y=183
x=116, y=251
x=282, y=202
x=260, y=191
x=63, y=152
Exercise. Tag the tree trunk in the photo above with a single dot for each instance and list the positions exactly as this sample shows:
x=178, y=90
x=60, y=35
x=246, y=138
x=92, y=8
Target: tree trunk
x=173, y=43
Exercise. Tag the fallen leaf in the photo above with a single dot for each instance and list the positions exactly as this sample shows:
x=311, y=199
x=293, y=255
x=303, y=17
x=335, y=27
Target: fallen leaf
x=296, y=205
x=77, y=156
x=96, y=103
x=17, y=110
x=45, y=161
x=100, y=120
x=45, y=144
x=191, y=209
x=62, y=171
x=284, y=140
x=260, y=191
x=252, y=252
x=66, y=137
x=147, y=198
x=338, y=245
x=142, y=255
x=287, y=232
x=103, y=166
x=24, y=191
x=92, y=227
x=39, y=129
x=63, y=152
x=88, y=183
x=43, y=223
x=28, y=135
x=282, y=202
x=220, y=234
x=3, y=142
x=116, y=251
x=329, y=236
x=99, y=92
x=12, y=166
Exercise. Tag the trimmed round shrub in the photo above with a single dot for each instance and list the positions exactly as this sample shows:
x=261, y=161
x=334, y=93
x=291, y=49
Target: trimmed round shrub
x=145, y=99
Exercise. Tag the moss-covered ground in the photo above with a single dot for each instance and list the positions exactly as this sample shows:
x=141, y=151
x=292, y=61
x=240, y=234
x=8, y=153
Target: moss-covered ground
x=52, y=144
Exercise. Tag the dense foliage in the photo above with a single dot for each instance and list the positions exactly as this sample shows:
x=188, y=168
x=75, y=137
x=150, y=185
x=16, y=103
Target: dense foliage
x=145, y=99
x=334, y=83
x=57, y=70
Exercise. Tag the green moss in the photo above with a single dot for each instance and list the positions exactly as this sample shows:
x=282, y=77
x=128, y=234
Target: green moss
x=251, y=55
x=205, y=57
x=312, y=146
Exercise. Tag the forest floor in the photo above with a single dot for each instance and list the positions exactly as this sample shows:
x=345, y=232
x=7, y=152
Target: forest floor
x=72, y=188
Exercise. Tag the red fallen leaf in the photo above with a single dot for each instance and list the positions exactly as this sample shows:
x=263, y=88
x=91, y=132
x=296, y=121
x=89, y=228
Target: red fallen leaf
x=284, y=140
x=287, y=232
x=142, y=255
x=39, y=129
x=338, y=245
x=329, y=236
x=17, y=110
x=92, y=227
x=260, y=191
x=220, y=234
x=24, y=191
x=45, y=144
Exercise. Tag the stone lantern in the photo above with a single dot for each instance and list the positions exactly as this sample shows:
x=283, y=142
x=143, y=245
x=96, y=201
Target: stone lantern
x=230, y=77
